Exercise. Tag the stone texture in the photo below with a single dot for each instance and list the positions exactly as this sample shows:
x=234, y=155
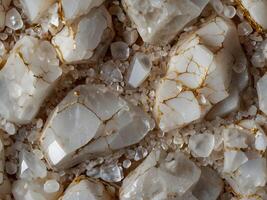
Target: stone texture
x=262, y=93
x=91, y=120
x=27, y=78
x=160, y=21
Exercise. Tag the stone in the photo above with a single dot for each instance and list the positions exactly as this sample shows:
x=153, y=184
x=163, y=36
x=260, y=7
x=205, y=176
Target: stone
x=198, y=76
x=86, y=38
x=139, y=70
x=111, y=173
x=27, y=78
x=85, y=189
x=90, y=121
x=71, y=10
x=262, y=93
x=13, y=19
x=120, y=50
x=234, y=137
x=35, y=9
x=257, y=11
x=158, y=22
x=260, y=141
x=30, y=166
x=249, y=177
x=201, y=144
x=233, y=160
x=51, y=186
x=209, y=186
x=110, y=73
x=32, y=190
x=160, y=176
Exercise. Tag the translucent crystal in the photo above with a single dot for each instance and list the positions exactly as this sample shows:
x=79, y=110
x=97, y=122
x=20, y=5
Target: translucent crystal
x=91, y=120
x=139, y=70
x=235, y=138
x=169, y=17
x=262, y=93
x=244, y=28
x=86, y=189
x=119, y=50
x=23, y=82
x=51, y=186
x=13, y=19
x=217, y=5
x=111, y=173
x=110, y=72
x=233, y=160
x=229, y=11
x=260, y=141
x=130, y=36
x=86, y=38
x=201, y=144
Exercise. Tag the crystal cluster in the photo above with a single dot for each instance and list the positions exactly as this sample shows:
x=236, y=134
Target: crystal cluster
x=133, y=100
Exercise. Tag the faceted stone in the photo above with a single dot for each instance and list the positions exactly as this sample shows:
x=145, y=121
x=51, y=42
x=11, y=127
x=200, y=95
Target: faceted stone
x=119, y=50
x=235, y=138
x=32, y=190
x=233, y=160
x=249, y=177
x=31, y=167
x=201, y=144
x=34, y=9
x=91, y=120
x=27, y=78
x=198, y=76
x=139, y=70
x=13, y=19
x=160, y=21
x=260, y=141
x=110, y=72
x=87, y=38
x=262, y=93
x=74, y=9
x=209, y=186
x=111, y=173
x=160, y=177
x=257, y=11
x=86, y=189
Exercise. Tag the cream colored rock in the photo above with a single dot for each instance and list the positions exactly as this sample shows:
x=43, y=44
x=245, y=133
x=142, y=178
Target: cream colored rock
x=85, y=189
x=262, y=93
x=199, y=74
x=233, y=159
x=87, y=38
x=27, y=78
x=161, y=176
x=74, y=9
x=91, y=120
x=34, y=9
x=168, y=18
x=257, y=10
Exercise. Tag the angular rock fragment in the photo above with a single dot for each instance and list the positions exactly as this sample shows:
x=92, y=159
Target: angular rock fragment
x=34, y=9
x=257, y=10
x=139, y=69
x=201, y=144
x=27, y=78
x=233, y=159
x=159, y=21
x=74, y=9
x=87, y=38
x=235, y=137
x=91, y=120
x=33, y=190
x=161, y=176
x=262, y=93
x=87, y=189
x=199, y=74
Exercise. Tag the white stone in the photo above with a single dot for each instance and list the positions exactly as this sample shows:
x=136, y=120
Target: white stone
x=86, y=38
x=201, y=144
x=233, y=160
x=91, y=120
x=262, y=93
x=110, y=72
x=86, y=189
x=257, y=10
x=249, y=177
x=51, y=186
x=34, y=9
x=13, y=19
x=30, y=166
x=160, y=177
x=139, y=70
x=260, y=141
x=168, y=18
x=197, y=71
x=209, y=186
x=235, y=138
x=27, y=78
x=74, y=9
x=33, y=190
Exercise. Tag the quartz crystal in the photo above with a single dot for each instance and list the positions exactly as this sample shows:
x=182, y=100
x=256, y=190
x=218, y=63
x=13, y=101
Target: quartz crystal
x=201, y=144
x=13, y=19
x=91, y=120
x=139, y=69
x=119, y=50
x=27, y=78
x=74, y=9
x=34, y=9
x=233, y=159
x=160, y=21
x=257, y=10
x=87, y=38
x=160, y=177
x=87, y=189
x=198, y=76
x=262, y=93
